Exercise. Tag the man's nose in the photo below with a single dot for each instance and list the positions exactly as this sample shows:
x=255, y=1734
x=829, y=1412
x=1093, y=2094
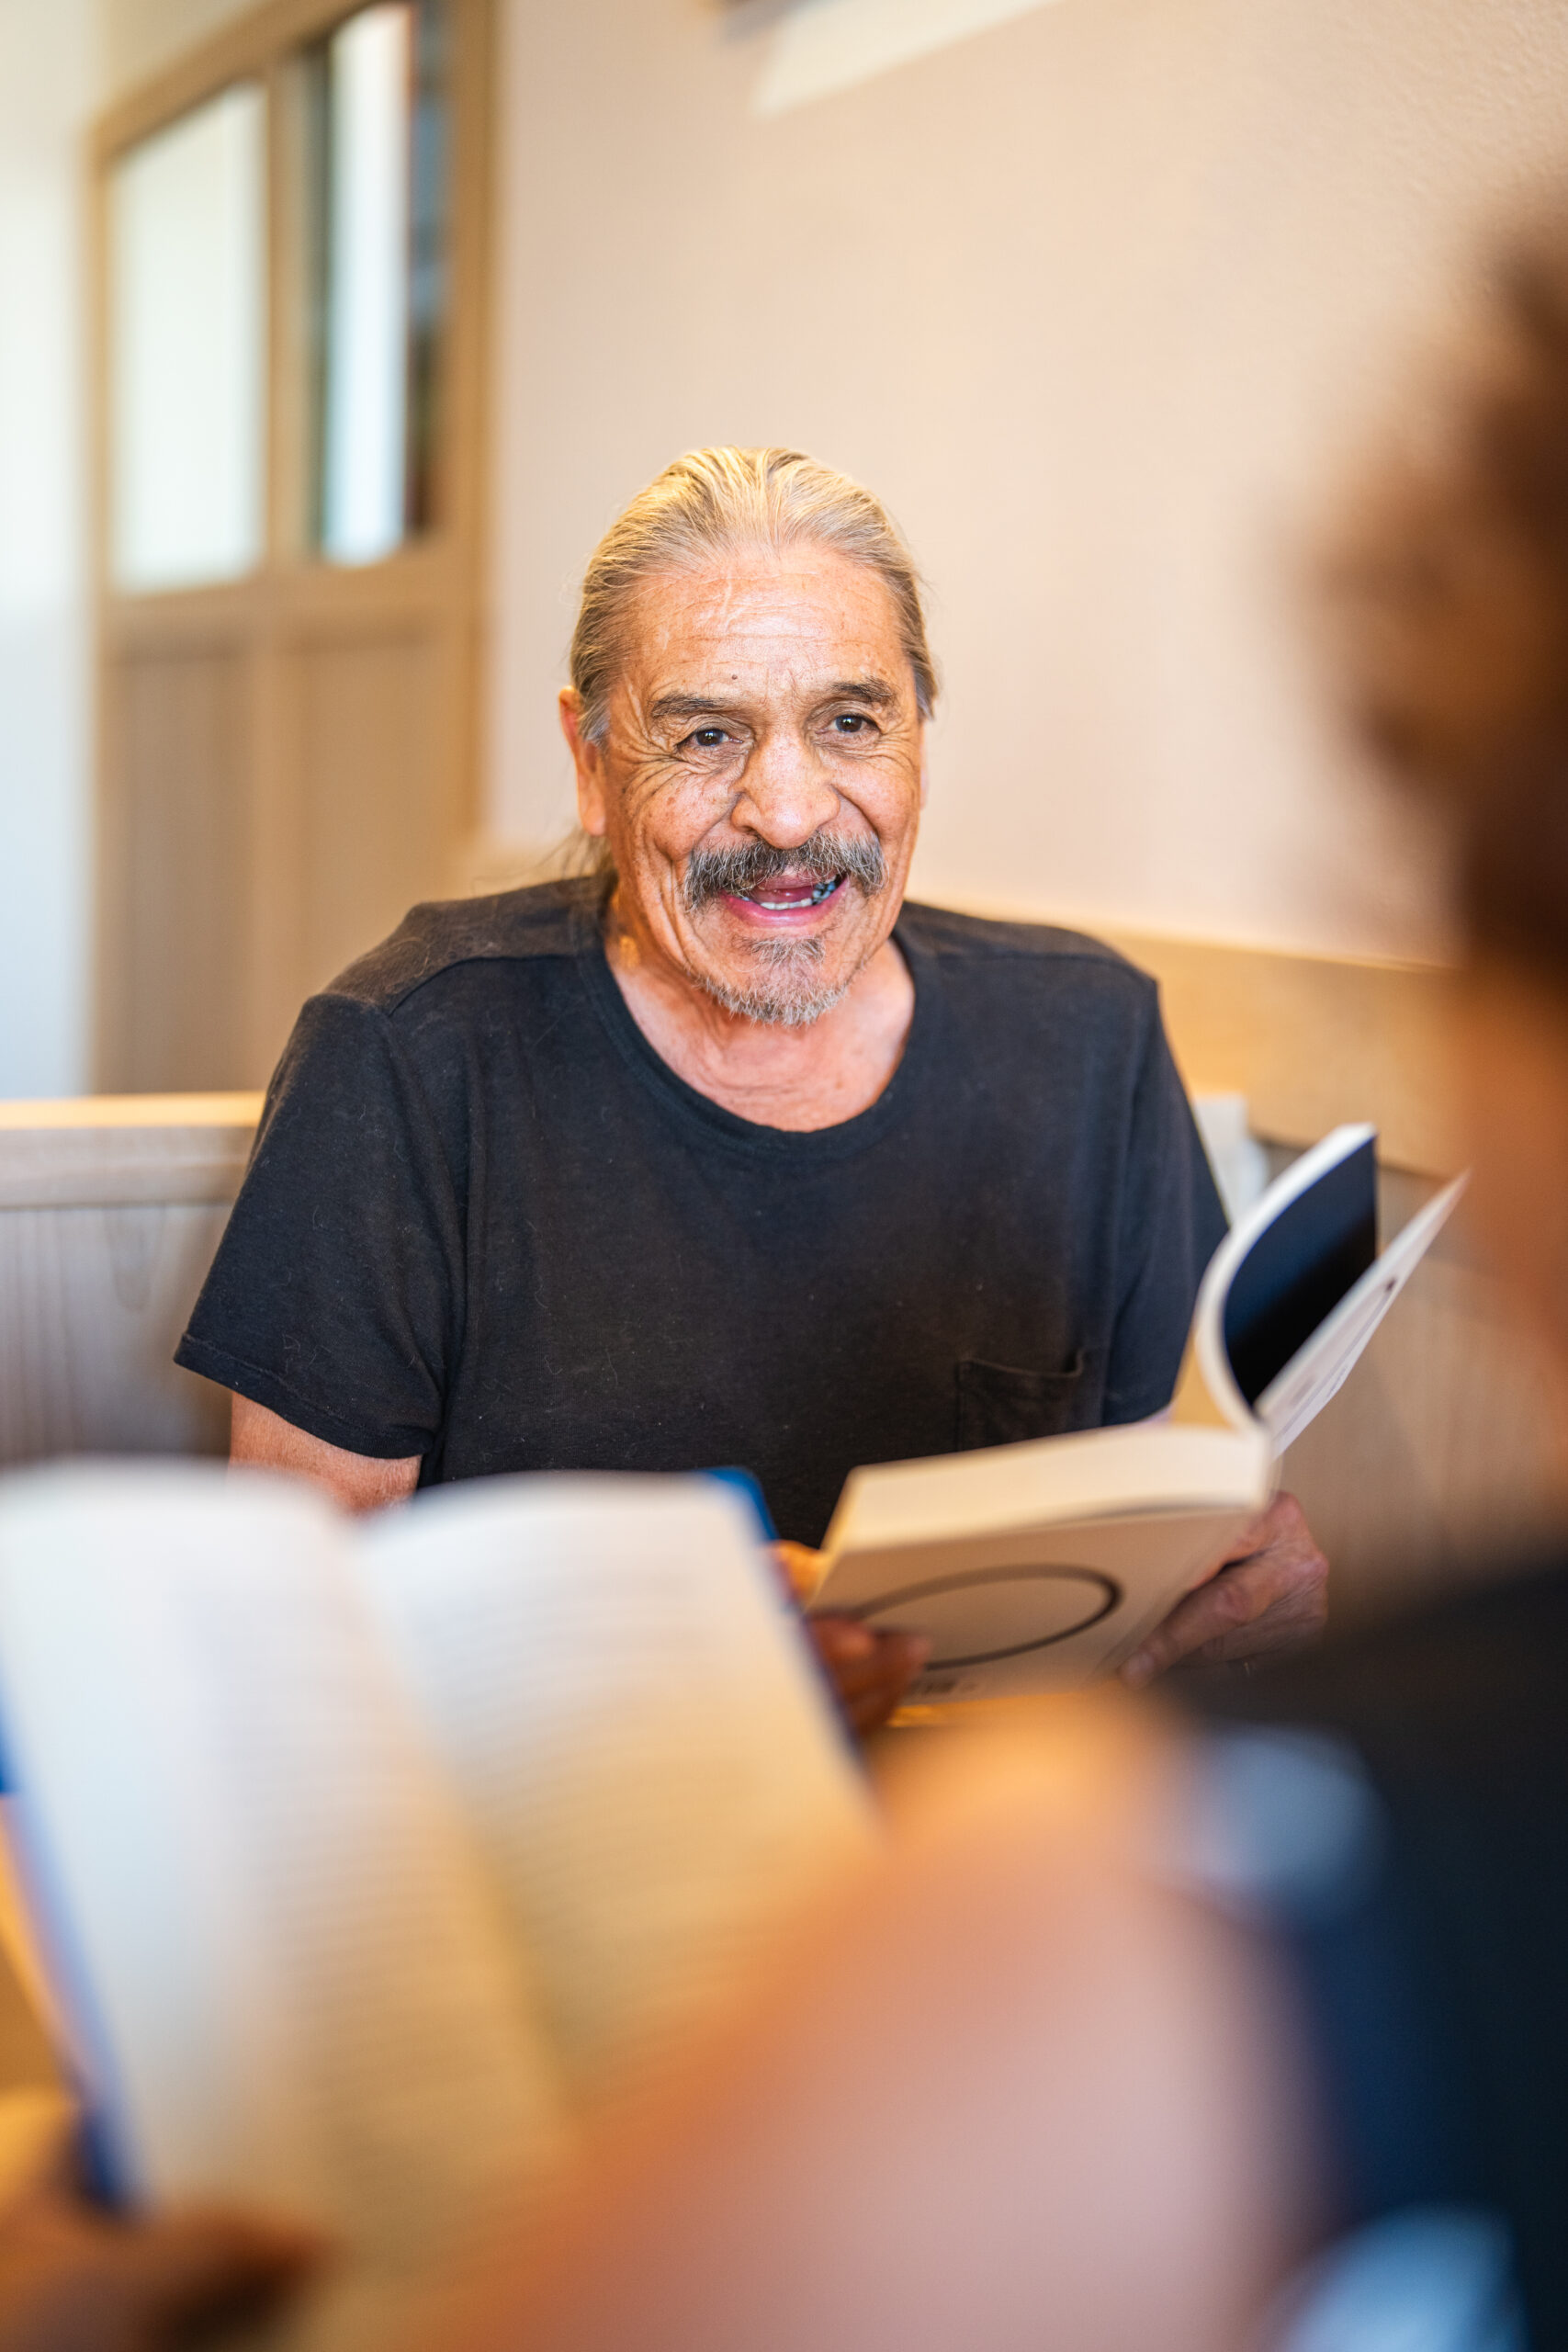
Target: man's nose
x=785, y=796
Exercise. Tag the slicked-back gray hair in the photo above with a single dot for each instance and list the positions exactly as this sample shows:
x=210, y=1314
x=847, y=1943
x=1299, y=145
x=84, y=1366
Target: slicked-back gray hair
x=714, y=502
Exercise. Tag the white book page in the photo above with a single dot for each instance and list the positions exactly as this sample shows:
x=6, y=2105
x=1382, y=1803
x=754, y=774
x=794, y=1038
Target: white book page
x=637, y=1732
x=288, y=1977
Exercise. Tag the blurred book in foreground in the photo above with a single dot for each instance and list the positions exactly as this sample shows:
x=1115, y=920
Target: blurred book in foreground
x=363, y=1859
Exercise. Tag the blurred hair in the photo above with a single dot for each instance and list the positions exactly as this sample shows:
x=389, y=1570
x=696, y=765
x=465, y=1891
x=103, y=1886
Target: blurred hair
x=1450, y=603
x=716, y=503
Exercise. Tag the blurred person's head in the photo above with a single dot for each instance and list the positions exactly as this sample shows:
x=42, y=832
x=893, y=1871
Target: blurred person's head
x=1454, y=605
x=749, y=687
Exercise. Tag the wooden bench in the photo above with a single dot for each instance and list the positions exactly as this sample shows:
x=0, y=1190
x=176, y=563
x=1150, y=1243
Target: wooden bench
x=111, y=1209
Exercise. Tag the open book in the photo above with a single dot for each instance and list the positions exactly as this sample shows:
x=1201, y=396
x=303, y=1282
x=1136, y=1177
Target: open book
x=363, y=1858
x=1040, y=1564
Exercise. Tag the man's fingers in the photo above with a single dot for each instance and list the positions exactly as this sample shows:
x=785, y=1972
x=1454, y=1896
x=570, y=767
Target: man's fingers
x=1216, y=1610
x=72, y=2279
x=201, y=2265
x=800, y=1569
x=869, y=1670
x=1289, y=1623
x=1275, y=1597
x=857, y=1655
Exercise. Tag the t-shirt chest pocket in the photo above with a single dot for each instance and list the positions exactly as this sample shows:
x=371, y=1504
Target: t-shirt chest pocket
x=1000, y=1403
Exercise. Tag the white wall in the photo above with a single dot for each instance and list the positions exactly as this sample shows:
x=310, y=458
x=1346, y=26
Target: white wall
x=1094, y=299
x=48, y=69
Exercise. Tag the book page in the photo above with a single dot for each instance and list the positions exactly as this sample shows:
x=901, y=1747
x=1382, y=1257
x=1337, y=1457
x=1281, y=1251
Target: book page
x=638, y=1734
x=287, y=1980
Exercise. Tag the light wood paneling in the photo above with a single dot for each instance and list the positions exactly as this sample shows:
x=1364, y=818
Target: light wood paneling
x=1312, y=1040
x=109, y=1214
x=1440, y=1459
x=112, y=1151
x=179, y=786
x=92, y=1302
x=375, y=820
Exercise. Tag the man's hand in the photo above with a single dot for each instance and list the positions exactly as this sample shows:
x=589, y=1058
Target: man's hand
x=869, y=1670
x=1270, y=1595
x=74, y=2280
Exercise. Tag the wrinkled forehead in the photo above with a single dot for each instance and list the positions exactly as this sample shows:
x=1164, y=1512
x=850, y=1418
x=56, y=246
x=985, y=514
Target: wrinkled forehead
x=762, y=622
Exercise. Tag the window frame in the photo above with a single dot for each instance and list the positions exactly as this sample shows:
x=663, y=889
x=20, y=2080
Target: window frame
x=297, y=602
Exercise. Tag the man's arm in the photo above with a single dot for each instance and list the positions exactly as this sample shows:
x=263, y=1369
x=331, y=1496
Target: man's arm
x=265, y=1441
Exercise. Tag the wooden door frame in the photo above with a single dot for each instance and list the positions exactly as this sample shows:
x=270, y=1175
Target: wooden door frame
x=436, y=579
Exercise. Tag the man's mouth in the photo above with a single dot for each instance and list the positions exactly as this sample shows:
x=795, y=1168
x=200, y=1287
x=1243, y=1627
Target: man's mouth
x=787, y=898
x=785, y=881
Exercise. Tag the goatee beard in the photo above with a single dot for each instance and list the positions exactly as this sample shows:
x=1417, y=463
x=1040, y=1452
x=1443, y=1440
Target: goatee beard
x=783, y=994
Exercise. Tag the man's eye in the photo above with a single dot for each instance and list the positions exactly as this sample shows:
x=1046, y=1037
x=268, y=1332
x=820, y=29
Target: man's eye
x=708, y=739
x=852, y=722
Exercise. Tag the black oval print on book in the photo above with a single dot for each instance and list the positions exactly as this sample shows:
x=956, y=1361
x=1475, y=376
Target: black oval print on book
x=1000, y=1403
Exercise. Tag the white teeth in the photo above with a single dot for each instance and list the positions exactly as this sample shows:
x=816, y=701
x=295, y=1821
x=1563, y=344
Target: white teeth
x=819, y=891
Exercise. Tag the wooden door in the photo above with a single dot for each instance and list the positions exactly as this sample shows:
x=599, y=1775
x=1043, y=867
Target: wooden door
x=286, y=752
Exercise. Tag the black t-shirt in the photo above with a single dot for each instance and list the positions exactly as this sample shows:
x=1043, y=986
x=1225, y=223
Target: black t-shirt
x=485, y=1224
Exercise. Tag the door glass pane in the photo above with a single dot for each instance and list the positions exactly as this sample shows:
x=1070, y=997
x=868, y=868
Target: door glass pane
x=188, y=358
x=380, y=109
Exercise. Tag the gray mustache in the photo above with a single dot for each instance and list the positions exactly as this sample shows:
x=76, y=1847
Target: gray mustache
x=716, y=872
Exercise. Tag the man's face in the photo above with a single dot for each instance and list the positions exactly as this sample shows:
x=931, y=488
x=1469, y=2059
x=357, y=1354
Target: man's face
x=760, y=782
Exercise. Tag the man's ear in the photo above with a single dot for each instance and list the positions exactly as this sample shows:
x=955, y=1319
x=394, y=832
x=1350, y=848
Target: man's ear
x=925, y=764
x=593, y=813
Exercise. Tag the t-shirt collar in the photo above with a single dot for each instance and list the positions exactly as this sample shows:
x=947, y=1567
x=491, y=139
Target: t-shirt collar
x=689, y=1104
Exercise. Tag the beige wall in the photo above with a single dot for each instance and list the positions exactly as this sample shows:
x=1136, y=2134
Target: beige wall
x=1093, y=299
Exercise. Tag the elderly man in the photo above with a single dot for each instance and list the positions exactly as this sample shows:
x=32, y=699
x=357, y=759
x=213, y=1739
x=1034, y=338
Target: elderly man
x=726, y=1155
